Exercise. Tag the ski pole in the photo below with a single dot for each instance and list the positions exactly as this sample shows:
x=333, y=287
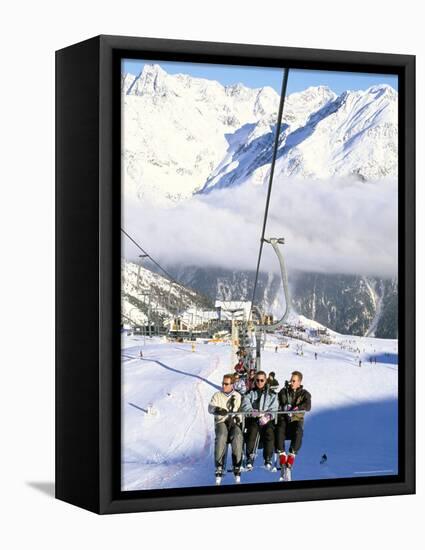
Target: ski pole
x=257, y=442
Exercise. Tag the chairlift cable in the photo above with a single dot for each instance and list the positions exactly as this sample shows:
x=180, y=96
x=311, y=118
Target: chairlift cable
x=170, y=277
x=266, y=210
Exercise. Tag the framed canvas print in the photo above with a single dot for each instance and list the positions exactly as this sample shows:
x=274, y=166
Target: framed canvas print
x=235, y=274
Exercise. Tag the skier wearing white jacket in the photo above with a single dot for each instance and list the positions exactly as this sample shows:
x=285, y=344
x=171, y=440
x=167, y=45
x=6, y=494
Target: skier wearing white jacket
x=228, y=428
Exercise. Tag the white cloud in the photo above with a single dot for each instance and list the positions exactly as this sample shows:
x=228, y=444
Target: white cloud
x=334, y=226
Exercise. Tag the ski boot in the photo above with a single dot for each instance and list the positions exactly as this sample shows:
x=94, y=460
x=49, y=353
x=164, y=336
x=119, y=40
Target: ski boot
x=283, y=459
x=218, y=475
x=289, y=465
x=237, y=474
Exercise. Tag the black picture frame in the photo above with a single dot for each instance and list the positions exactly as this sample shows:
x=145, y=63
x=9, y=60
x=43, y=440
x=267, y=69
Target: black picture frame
x=88, y=273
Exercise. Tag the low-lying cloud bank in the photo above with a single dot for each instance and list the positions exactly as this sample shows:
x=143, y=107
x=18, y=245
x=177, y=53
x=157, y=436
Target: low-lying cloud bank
x=334, y=226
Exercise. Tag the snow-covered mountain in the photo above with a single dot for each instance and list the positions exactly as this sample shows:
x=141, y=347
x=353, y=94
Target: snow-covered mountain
x=350, y=304
x=354, y=134
x=347, y=304
x=184, y=135
x=177, y=129
x=145, y=293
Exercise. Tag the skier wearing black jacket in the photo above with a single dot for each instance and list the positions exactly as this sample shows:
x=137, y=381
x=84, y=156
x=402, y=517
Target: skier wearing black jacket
x=292, y=397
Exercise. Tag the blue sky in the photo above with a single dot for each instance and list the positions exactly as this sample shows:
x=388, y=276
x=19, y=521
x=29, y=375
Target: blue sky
x=257, y=77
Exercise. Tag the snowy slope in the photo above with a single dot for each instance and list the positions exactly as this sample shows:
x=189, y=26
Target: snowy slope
x=353, y=419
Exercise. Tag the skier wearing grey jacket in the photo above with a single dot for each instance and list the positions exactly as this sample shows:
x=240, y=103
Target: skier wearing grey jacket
x=260, y=398
x=228, y=428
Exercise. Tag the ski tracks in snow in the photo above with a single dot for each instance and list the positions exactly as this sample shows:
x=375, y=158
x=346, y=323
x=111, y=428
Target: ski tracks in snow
x=201, y=410
x=203, y=455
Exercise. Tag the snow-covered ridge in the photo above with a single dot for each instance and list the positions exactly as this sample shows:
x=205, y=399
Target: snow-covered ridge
x=144, y=293
x=354, y=134
x=142, y=288
x=184, y=135
x=177, y=129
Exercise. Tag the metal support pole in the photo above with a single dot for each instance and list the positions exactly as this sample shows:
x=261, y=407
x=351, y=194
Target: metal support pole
x=138, y=270
x=274, y=242
x=258, y=351
x=149, y=315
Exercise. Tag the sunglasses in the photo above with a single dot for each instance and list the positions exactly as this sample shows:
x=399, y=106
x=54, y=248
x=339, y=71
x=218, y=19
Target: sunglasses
x=260, y=379
x=226, y=383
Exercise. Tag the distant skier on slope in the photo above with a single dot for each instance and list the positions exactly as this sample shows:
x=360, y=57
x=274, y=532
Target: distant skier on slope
x=261, y=398
x=292, y=397
x=228, y=428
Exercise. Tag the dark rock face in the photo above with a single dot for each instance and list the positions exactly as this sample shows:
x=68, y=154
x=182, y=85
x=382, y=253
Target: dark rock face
x=348, y=304
x=388, y=323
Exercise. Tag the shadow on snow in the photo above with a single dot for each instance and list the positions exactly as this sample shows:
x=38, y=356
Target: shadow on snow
x=215, y=386
x=359, y=440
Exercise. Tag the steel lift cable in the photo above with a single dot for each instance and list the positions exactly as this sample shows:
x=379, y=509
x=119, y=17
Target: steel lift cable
x=266, y=210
